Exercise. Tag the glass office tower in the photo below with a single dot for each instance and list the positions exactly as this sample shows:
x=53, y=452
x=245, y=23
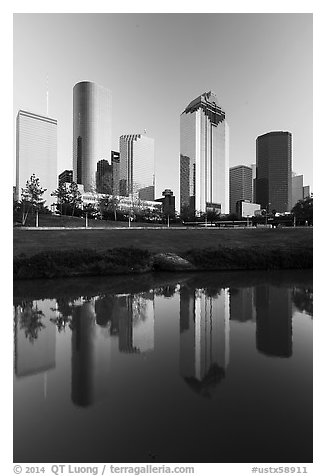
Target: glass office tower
x=204, y=155
x=274, y=171
x=36, y=152
x=240, y=185
x=92, y=108
x=137, y=178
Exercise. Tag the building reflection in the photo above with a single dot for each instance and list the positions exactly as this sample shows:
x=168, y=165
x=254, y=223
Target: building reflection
x=130, y=318
x=204, y=338
x=242, y=308
x=274, y=320
x=34, y=338
x=82, y=352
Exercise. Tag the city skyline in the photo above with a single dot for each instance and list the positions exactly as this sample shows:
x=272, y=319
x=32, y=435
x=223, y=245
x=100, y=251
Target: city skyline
x=263, y=85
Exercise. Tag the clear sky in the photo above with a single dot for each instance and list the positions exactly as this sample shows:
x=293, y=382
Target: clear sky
x=259, y=66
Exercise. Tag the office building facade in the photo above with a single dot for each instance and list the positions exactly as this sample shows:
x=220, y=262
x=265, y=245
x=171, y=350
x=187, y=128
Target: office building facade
x=65, y=177
x=274, y=171
x=104, y=177
x=240, y=185
x=297, y=188
x=306, y=191
x=204, y=155
x=36, y=152
x=92, y=108
x=115, y=163
x=137, y=177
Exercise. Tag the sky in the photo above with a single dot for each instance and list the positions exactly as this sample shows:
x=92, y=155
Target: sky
x=259, y=65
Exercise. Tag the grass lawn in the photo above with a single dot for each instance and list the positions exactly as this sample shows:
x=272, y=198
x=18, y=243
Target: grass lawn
x=175, y=240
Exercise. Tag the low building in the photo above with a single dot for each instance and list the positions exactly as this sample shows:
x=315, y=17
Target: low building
x=168, y=203
x=245, y=209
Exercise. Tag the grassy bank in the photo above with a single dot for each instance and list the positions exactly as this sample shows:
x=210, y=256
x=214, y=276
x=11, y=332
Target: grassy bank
x=86, y=262
x=172, y=240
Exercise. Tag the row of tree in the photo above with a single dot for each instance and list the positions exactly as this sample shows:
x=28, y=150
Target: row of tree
x=69, y=202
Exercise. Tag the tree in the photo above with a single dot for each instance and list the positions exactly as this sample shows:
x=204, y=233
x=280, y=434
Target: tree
x=75, y=197
x=187, y=213
x=108, y=205
x=303, y=211
x=31, y=197
x=63, y=199
x=69, y=198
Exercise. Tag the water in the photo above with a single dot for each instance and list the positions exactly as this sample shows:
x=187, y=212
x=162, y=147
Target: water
x=211, y=367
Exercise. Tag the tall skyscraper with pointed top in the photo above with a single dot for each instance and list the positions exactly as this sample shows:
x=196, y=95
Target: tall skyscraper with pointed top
x=92, y=109
x=204, y=156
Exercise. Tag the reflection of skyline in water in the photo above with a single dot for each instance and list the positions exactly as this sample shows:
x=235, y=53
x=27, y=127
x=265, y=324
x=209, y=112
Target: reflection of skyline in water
x=205, y=316
x=204, y=338
x=211, y=340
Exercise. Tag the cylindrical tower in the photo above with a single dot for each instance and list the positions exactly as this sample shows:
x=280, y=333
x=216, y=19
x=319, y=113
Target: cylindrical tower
x=92, y=107
x=274, y=171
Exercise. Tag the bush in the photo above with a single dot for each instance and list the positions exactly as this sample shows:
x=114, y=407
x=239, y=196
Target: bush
x=85, y=262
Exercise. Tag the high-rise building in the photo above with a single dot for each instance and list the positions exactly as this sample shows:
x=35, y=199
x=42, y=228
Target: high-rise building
x=254, y=173
x=115, y=163
x=204, y=155
x=137, y=166
x=240, y=185
x=306, y=191
x=274, y=171
x=297, y=188
x=104, y=178
x=65, y=177
x=36, y=152
x=91, y=131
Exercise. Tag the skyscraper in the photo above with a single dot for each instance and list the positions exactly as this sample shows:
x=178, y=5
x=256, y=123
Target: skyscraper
x=104, y=178
x=91, y=131
x=297, y=188
x=65, y=177
x=137, y=166
x=240, y=185
x=204, y=155
x=115, y=163
x=274, y=171
x=36, y=152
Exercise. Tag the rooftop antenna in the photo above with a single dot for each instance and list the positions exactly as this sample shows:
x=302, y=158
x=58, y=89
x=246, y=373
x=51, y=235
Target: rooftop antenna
x=47, y=95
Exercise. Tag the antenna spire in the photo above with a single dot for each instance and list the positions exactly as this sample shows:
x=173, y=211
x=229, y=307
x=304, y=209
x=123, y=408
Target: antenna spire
x=47, y=95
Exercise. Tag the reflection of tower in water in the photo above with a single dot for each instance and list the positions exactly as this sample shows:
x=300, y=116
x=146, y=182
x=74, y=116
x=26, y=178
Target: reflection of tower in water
x=131, y=317
x=274, y=320
x=204, y=338
x=82, y=362
x=242, y=308
x=35, y=339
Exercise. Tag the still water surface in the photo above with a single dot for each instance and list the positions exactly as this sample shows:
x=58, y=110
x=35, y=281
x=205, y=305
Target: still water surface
x=211, y=367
